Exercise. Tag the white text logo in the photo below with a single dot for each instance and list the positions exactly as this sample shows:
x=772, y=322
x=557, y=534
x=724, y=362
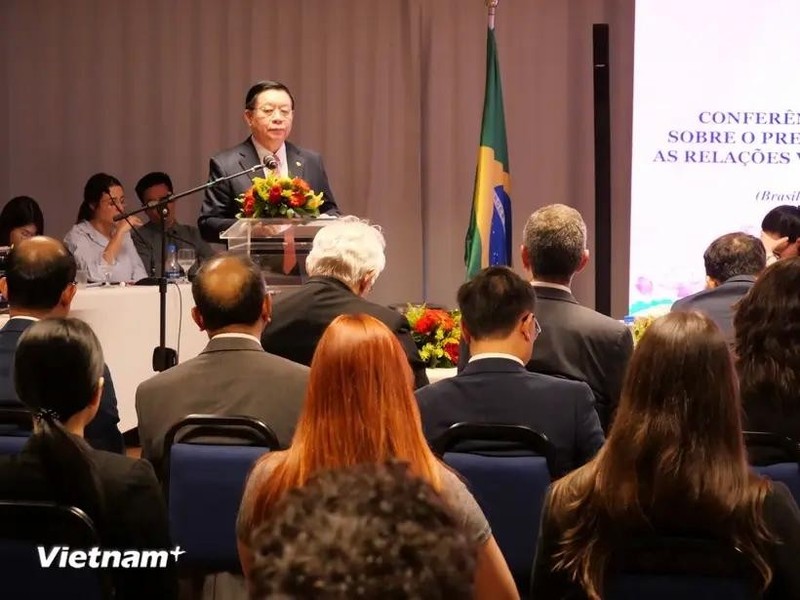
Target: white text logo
x=61, y=557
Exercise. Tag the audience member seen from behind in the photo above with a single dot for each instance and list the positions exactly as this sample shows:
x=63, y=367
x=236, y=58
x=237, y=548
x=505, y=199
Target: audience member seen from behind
x=767, y=325
x=674, y=464
x=151, y=189
x=346, y=259
x=576, y=342
x=368, y=531
x=39, y=284
x=20, y=219
x=499, y=322
x=229, y=375
x=780, y=232
x=121, y=495
x=102, y=246
x=732, y=263
x=360, y=408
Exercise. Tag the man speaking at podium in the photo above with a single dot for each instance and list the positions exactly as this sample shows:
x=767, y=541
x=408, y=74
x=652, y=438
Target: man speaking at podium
x=269, y=111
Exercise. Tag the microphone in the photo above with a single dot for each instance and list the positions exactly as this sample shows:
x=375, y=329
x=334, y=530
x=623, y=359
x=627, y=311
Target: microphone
x=271, y=162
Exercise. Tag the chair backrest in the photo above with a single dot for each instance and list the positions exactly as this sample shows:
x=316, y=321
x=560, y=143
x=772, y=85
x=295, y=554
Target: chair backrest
x=16, y=426
x=783, y=449
x=509, y=484
x=204, y=484
x=660, y=568
x=11, y=444
x=28, y=529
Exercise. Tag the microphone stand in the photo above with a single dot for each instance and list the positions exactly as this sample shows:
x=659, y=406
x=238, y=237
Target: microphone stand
x=163, y=357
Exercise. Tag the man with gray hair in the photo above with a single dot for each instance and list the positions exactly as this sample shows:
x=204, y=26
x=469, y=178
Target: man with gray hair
x=346, y=259
x=576, y=341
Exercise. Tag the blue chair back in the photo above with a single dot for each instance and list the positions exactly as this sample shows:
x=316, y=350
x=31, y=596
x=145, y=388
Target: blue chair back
x=16, y=426
x=204, y=484
x=11, y=444
x=205, y=490
x=662, y=568
x=27, y=526
x=509, y=484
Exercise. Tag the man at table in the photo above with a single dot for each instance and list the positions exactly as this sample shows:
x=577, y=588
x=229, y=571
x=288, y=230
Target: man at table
x=269, y=113
x=39, y=283
x=233, y=375
x=151, y=189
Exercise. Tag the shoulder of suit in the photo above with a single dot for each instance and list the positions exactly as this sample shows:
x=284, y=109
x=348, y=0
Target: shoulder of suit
x=591, y=318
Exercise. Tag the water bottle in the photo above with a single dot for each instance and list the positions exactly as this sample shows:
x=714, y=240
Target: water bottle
x=172, y=268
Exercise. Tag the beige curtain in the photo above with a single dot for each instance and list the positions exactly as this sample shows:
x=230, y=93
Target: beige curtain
x=389, y=91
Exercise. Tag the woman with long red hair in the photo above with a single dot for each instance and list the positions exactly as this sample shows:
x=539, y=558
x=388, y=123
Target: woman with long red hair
x=360, y=408
x=674, y=464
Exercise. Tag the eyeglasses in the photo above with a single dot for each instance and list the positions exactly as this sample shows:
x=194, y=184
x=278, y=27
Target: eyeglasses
x=283, y=111
x=537, y=329
x=116, y=201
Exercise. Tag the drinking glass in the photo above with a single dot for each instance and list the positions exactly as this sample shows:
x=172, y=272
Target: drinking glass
x=186, y=258
x=108, y=269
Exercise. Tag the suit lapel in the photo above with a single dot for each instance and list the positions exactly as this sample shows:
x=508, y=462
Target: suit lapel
x=248, y=157
x=296, y=164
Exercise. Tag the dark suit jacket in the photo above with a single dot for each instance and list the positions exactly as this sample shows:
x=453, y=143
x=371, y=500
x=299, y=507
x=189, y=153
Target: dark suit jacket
x=299, y=320
x=499, y=390
x=718, y=303
x=581, y=344
x=136, y=515
x=102, y=433
x=219, y=208
x=231, y=376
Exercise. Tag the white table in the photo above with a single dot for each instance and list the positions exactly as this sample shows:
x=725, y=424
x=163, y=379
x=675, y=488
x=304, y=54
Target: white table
x=125, y=320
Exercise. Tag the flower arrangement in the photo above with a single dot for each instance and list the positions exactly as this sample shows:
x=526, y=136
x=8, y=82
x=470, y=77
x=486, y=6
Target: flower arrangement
x=436, y=333
x=276, y=196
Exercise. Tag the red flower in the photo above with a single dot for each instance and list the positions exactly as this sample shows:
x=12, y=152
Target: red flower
x=427, y=322
x=297, y=200
x=249, y=206
x=275, y=194
x=301, y=185
x=451, y=350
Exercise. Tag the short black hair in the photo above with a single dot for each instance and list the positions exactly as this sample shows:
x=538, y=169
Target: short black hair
x=151, y=179
x=97, y=185
x=263, y=86
x=492, y=302
x=367, y=531
x=37, y=281
x=783, y=220
x=243, y=307
x=734, y=254
x=19, y=212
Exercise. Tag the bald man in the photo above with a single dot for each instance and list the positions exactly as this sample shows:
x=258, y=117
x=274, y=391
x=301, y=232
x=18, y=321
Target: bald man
x=233, y=375
x=39, y=283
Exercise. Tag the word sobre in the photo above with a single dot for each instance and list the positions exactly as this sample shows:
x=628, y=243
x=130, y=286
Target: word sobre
x=61, y=557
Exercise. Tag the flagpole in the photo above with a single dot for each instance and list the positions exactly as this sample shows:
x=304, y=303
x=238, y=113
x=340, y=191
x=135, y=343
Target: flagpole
x=492, y=6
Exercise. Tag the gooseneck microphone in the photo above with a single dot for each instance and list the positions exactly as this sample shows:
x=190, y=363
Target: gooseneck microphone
x=137, y=234
x=271, y=162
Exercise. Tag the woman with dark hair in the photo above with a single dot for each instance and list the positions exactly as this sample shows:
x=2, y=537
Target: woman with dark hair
x=101, y=246
x=780, y=232
x=58, y=375
x=360, y=409
x=767, y=345
x=673, y=464
x=20, y=219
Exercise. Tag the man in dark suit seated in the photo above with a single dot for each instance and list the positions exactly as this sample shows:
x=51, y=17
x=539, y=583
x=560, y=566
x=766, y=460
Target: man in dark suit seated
x=732, y=262
x=151, y=189
x=345, y=260
x=232, y=375
x=498, y=321
x=39, y=283
x=577, y=342
x=269, y=112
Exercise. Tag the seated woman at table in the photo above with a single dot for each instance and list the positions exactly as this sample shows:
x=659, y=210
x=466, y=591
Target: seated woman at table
x=20, y=219
x=674, y=466
x=101, y=246
x=359, y=409
x=121, y=495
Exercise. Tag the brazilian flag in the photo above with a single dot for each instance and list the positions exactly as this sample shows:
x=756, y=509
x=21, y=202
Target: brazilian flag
x=488, y=239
